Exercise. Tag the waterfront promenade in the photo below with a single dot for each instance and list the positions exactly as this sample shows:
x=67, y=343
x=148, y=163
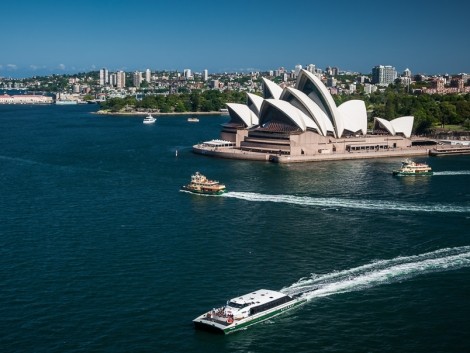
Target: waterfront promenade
x=235, y=153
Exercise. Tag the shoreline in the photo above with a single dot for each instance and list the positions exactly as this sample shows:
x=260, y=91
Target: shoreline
x=235, y=153
x=105, y=112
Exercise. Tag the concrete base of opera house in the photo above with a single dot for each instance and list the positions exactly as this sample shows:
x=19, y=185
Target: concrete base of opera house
x=236, y=153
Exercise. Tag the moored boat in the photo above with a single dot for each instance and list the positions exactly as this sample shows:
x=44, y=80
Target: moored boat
x=410, y=168
x=247, y=310
x=149, y=119
x=193, y=119
x=66, y=102
x=201, y=185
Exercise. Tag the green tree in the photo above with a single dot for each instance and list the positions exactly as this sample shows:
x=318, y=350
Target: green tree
x=466, y=124
x=422, y=122
x=390, y=107
x=448, y=113
x=180, y=107
x=463, y=110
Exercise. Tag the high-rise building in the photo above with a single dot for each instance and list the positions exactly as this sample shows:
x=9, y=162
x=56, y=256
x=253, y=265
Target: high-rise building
x=383, y=75
x=331, y=82
x=297, y=70
x=148, y=75
x=187, y=73
x=104, y=77
x=113, y=79
x=120, y=79
x=311, y=68
x=137, y=78
x=407, y=73
x=205, y=75
x=352, y=88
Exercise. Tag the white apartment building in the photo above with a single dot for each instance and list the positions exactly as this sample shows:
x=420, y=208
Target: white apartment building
x=104, y=77
x=120, y=79
x=187, y=73
x=383, y=75
x=137, y=78
x=148, y=75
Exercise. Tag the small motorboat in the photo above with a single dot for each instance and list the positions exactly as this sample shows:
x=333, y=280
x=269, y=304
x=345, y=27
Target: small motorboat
x=149, y=119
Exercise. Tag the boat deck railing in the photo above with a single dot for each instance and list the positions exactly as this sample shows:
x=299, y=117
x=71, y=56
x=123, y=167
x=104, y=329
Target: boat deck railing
x=217, y=319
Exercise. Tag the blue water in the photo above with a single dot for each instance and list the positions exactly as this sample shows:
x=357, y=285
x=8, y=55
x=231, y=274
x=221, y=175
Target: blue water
x=101, y=252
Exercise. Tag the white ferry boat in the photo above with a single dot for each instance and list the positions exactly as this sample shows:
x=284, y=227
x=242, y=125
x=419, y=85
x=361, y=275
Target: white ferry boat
x=149, y=119
x=409, y=167
x=247, y=310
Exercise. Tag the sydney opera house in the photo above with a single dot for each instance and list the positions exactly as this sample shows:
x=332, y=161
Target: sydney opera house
x=304, y=124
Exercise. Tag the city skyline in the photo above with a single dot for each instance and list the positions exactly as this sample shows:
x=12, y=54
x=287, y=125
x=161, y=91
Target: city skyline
x=50, y=38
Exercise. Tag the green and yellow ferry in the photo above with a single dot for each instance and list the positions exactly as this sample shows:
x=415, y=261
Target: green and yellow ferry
x=410, y=168
x=247, y=310
x=201, y=185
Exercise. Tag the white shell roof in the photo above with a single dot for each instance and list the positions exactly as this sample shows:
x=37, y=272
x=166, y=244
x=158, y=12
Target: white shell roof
x=325, y=98
x=402, y=125
x=289, y=111
x=273, y=88
x=385, y=124
x=316, y=113
x=242, y=112
x=354, y=116
x=256, y=100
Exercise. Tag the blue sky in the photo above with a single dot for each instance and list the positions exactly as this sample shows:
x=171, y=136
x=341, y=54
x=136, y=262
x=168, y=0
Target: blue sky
x=42, y=37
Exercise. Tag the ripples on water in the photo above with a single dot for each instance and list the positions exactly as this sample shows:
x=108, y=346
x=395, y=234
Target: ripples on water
x=101, y=252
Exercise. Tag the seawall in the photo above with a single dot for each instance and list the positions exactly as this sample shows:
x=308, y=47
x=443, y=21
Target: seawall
x=233, y=153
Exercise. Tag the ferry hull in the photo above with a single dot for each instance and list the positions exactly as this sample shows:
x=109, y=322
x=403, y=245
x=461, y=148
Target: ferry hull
x=202, y=192
x=399, y=173
x=202, y=323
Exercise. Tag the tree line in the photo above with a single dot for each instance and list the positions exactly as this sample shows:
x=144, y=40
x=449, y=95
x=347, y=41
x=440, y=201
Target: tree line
x=196, y=101
x=429, y=111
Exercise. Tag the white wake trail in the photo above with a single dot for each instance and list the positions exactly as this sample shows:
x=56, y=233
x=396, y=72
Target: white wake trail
x=333, y=202
x=457, y=172
x=380, y=272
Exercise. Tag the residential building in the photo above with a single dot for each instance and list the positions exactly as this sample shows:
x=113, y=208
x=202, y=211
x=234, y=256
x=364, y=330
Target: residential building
x=120, y=79
x=148, y=75
x=383, y=75
x=104, y=77
x=137, y=78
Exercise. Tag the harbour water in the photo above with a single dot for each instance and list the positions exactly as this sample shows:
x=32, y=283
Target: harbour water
x=101, y=252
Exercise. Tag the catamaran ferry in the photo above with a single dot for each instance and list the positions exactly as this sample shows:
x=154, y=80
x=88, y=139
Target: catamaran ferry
x=247, y=310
